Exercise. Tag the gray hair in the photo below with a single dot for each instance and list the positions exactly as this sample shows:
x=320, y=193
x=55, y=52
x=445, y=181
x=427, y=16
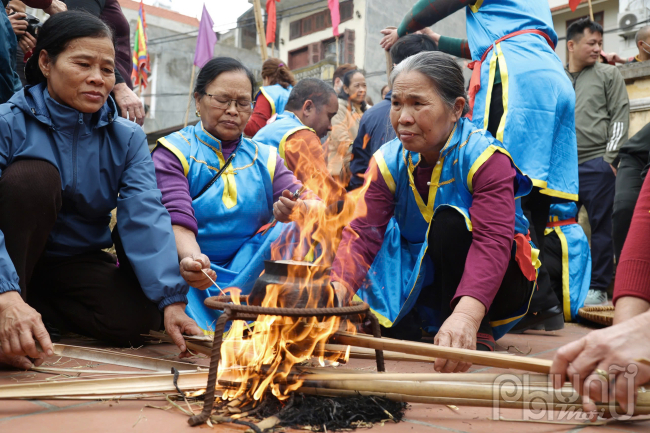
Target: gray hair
x=443, y=72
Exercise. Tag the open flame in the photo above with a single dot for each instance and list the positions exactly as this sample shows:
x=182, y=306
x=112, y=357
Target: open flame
x=264, y=357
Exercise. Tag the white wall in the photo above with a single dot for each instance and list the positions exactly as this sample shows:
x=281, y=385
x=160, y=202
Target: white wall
x=356, y=24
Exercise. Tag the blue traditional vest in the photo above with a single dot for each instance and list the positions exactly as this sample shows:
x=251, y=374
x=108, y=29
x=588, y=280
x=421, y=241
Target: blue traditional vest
x=276, y=133
x=229, y=213
x=576, y=257
x=277, y=97
x=402, y=266
x=538, y=123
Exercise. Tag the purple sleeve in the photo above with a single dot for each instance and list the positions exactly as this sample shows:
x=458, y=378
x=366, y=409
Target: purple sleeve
x=493, y=232
x=174, y=188
x=362, y=239
x=283, y=179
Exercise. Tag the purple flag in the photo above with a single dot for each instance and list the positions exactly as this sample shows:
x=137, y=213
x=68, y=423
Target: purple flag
x=205, y=41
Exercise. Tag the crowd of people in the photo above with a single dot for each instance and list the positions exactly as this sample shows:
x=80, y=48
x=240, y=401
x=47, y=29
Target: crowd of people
x=462, y=201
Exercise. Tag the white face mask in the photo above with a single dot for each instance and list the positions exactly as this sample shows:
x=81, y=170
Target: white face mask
x=644, y=43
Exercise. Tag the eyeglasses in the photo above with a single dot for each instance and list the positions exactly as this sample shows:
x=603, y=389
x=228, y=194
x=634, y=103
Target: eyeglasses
x=223, y=103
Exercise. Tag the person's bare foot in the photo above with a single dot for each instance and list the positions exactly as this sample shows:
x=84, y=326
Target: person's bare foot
x=19, y=362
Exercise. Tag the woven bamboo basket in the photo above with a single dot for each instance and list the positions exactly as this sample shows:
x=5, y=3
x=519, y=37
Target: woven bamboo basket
x=603, y=315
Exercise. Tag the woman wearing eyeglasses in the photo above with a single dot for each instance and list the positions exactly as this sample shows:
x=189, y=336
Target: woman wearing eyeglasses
x=217, y=219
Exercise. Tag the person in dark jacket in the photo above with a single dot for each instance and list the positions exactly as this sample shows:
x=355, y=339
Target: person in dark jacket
x=67, y=160
x=632, y=169
x=375, y=128
x=9, y=80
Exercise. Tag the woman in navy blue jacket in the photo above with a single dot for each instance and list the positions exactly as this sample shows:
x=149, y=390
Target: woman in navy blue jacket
x=66, y=160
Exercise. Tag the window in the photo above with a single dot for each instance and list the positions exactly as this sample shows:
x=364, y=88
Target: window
x=299, y=58
x=319, y=21
x=318, y=51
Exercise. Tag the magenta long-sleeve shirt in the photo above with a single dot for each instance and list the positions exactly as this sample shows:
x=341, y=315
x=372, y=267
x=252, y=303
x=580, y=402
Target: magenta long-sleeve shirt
x=176, y=190
x=493, y=221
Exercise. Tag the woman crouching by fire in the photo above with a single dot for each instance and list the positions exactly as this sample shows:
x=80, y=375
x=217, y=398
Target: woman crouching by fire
x=221, y=189
x=443, y=246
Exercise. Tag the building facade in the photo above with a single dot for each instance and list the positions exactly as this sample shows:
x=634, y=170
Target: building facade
x=305, y=41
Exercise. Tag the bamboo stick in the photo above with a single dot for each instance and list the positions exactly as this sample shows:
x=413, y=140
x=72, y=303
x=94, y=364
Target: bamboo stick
x=424, y=349
x=591, y=11
x=117, y=385
x=461, y=401
x=500, y=392
x=189, y=97
x=199, y=346
x=259, y=25
x=118, y=358
x=483, y=378
x=363, y=353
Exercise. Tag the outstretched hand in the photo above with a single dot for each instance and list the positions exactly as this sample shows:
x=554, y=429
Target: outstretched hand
x=178, y=323
x=389, y=39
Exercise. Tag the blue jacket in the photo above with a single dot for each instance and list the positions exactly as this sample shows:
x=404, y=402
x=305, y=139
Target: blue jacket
x=104, y=162
x=376, y=124
x=9, y=80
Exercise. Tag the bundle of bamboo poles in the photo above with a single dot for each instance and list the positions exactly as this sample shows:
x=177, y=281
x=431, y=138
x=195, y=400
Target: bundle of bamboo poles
x=512, y=390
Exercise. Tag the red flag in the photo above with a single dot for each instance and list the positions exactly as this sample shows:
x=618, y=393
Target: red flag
x=271, y=21
x=573, y=4
x=336, y=16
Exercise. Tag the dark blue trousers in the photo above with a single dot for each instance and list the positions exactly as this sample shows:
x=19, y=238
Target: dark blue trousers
x=597, y=185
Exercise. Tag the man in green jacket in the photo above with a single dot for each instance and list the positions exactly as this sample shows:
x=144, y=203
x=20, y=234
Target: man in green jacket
x=602, y=120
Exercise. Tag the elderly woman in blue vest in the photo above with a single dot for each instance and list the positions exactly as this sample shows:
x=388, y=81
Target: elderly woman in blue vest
x=277, y=82
x=441, y=243
x=67, y=159
x=567, y=258
x=519, y=93
x=221, y=188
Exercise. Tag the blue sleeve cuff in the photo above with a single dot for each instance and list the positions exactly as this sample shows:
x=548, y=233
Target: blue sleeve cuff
x=8, y=286
x=172, y=300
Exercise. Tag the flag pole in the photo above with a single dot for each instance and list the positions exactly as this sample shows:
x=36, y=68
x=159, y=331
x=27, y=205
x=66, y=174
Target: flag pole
x=591, y=11
x=337, y=51
x=189, y=98
x=259, y=24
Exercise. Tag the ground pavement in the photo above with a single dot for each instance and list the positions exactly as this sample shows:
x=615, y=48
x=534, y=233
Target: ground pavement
x=72, y=416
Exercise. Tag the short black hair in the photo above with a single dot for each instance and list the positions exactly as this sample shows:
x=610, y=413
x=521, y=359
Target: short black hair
x=309, y=88
x=578, y=28
x=410, y=45
x=57, y=33
x=218, y=66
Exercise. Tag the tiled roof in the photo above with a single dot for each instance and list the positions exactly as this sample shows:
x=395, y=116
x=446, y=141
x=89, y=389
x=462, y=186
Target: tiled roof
x=160, y=12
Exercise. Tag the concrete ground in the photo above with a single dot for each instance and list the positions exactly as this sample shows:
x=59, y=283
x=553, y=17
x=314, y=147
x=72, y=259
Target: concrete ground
x=72, y=416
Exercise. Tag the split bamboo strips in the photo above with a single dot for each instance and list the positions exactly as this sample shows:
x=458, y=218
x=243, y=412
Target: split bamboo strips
x=363, y=353
x=119, y=358
x=117, y=385
x=485, y=378
x=424, y=349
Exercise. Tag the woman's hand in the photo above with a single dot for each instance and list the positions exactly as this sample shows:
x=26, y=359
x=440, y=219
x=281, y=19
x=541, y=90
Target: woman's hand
x=389, y=39
x=459, y=330
x=430, y=33
x=286, y=205
x=56, y=7
x=18, y=23
x=192, y=269
x=613, y=350
x=27, y=43
x=129, y=102
x=20, y=325
x=178, y=323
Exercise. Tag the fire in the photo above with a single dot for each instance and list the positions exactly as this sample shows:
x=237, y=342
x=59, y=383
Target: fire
x=261, y=361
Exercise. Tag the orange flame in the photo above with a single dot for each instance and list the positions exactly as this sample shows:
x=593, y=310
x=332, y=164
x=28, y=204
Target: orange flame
x=264, y=357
